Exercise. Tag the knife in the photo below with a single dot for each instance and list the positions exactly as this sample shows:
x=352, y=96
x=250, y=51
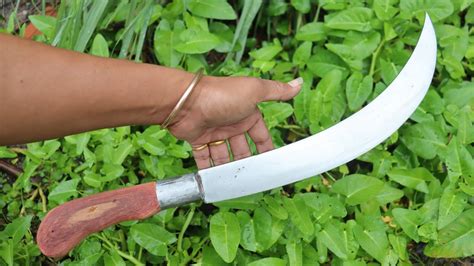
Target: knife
x=66, y=225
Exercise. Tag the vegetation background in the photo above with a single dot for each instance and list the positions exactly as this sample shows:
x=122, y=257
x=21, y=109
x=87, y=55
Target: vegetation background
x=409, y=200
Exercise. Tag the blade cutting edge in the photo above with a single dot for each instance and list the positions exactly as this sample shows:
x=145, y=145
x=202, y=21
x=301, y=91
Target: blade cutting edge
x=336, y=145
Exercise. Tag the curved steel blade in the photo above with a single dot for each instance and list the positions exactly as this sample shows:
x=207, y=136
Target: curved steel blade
x=337, y=145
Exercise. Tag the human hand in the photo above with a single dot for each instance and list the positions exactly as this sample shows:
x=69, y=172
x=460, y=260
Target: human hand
x=225, y=108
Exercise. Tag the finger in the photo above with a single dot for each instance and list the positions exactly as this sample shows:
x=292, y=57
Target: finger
x=260, y=136
x=202, y=157
x=219, y=153
x=239, y=146
x=274, y=90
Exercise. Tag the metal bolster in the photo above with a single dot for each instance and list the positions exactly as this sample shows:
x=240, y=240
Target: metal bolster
x=179, y=191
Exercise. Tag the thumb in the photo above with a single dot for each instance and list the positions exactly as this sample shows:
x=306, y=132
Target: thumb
x=274, y=90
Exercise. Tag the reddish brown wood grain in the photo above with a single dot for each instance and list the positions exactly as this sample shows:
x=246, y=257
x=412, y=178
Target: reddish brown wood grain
x=66, y=225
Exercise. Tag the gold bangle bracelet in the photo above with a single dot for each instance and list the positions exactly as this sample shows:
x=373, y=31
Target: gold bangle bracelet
x=183, y=98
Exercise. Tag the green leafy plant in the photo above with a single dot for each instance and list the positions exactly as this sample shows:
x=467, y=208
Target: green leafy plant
x=409, y=200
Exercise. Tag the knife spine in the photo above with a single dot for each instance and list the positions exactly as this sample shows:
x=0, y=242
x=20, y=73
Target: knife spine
x=179, y=191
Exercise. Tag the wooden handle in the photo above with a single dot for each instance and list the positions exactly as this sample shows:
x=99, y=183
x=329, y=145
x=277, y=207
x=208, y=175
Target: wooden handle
x=66, y=225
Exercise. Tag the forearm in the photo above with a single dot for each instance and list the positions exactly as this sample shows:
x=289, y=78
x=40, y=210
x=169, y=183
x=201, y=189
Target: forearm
x=47, y=92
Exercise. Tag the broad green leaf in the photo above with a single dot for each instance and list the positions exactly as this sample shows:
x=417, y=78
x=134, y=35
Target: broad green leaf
x=275, y=207
x=6, y=153
x=303, y=6
x=122, y=151
x=278, y=226
x=408, y=220
x=249, y=202
x=151, y=141
x=329, y=85
x=268, y=262
x=453, y=66
x=374, y=242
x=216, y=9
x=324, y=207
x=358, y=89
x=465, y=126
x=322, y=250
x=381, y=161
x=225, y=235
x=7, y=251
x=225, y=35
x=358, y=188
x=112, y=258
x=315, y=110
x=295, y=253
x=262, y=222
x=433, y=103
x=196, y=41
x=277, y=7
x=17, y=229
x=152, y=237
x=399, y=245
x=454, y=40
x=211, y=258
x=333, y=5
x=11, y=21
x=355, y=18
x=460, y=95
x=424, y=139
x=267, y=52
x=247, y=225
x=324, y=61
x=302, y=54
x=28, y=171
x=100, y=46
x=195, y=22
x=310, y=255
x=111, y=171
x=92, y=179
x=388, y=70
x=301, y=102
x=451, y=206
x=454, y=240
x=165, y=41
x=64, y=191
x=461, y=5
x=80, y=140
x=45, y=24
x=437, y=9
x=356, y=47
x=458, y=161
x=413, y=178
x=389, y=32
x=299, y=215
x=275, y=113
x=339, y=239
x=388, y=194
x=313, y=32
x=429, y=211
x=428, y=231
x=333, y=110
x=384, y=9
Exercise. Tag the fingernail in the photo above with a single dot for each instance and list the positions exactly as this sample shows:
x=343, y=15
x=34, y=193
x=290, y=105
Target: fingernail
x=296, y=82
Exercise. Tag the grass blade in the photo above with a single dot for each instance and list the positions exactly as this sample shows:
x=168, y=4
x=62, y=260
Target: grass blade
x=146, y=19
x=91, y=19
x=249, y=11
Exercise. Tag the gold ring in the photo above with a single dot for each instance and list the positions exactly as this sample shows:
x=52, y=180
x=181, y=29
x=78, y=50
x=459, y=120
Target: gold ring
x=216, y=143
x=200, y=148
